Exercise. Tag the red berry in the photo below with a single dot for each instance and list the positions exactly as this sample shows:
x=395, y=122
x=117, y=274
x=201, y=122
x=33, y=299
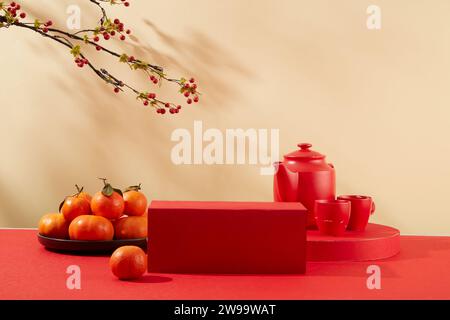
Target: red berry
x=116, y=21
x=196, y=99
x=23, y=15
x=187, y=86
x=178, y=107
x=49, y=23
x=12, y=4
x=131, y=59
x=151, y=96
x=98, y=48
x=187, y=94
x=192, y=80
x=177, y=110
x=145, y=103
x=81, y=64
x=122, y=37
x=127, y=4
x=128, y=31
x=194, y=86
x=85, y=61
x=189, y=101
x=116, y=90
x=106, y=36
x=18, y=7
x=113, y=33
x=155, y=81
x=45, y=30
x=167, y=105
x=77, y=60
x=96, y=39
x=163, y=111
x=172, y=111
x=152, y=78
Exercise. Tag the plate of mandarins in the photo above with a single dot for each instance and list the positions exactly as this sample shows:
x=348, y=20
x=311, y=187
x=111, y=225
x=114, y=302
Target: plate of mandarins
x=100, y=223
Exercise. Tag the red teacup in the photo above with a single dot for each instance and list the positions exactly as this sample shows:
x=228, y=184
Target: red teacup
x=332, y=216
x=361, y=209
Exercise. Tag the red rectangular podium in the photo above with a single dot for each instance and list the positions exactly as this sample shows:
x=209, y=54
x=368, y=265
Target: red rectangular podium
x=227, y=237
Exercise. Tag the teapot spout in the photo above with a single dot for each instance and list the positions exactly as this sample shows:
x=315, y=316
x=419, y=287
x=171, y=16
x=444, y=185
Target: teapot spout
x=284, y=184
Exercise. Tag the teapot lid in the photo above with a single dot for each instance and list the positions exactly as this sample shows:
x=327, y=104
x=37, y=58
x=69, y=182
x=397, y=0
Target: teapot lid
x=304, y=153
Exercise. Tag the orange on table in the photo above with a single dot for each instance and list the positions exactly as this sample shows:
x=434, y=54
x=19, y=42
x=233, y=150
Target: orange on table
x=82, y=194
x=135, y=201
x=75, y=206
x=128, y=262
x=108, y=203
x=130, y=228
x=86, y=196
x=114, y=221
x=90, y=227
x=54, y=225
x=109, y=207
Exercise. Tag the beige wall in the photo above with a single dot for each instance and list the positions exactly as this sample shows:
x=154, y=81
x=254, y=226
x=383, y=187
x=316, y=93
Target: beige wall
x=376, y=102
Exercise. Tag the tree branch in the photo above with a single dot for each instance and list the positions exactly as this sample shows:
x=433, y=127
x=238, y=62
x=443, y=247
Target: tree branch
x=107, y=29
x=104, y=16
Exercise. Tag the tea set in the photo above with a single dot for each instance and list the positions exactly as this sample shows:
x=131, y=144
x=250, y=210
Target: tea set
x=304, y=176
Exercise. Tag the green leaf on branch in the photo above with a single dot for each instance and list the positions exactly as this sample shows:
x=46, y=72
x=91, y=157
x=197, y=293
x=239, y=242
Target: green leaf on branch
x=142, y=95
x=37, y=24
x=76, y=50
x=85, y=39
x=123, y=58
x=139, y=65
x=107, y=24
x=9, y=18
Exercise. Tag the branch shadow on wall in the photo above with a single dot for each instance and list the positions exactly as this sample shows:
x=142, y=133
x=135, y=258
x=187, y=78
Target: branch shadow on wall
x=203, y=58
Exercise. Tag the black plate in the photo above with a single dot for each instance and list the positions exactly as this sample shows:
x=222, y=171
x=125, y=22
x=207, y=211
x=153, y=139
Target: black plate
x=89, y=246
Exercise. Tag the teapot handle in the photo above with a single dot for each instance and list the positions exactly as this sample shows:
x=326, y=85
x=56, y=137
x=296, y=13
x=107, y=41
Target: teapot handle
x=373, y=207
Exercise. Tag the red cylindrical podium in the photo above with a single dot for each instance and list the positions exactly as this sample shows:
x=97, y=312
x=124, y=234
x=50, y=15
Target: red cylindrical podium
x=376, y=242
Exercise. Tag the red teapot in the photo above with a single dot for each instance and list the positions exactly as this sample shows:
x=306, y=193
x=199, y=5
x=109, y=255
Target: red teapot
x=304, y=176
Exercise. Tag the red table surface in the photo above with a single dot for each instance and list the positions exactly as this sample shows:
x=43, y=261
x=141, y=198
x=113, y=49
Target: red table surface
x=419, y=271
